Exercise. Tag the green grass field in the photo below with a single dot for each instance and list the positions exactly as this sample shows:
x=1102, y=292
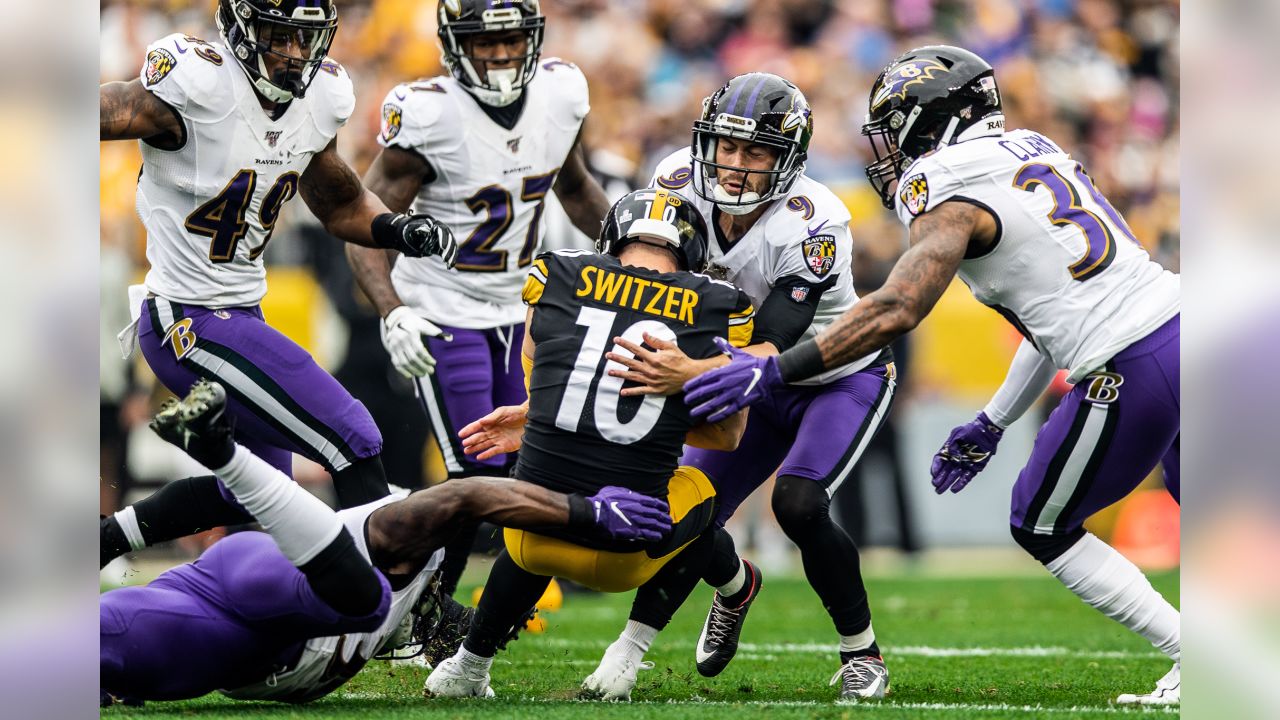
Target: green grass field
x=1006, y=647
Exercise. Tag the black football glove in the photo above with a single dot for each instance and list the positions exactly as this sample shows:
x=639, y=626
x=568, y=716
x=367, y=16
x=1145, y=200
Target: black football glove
x=416, y=236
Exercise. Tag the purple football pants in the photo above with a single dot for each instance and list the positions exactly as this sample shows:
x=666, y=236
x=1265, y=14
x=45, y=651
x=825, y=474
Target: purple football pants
x=813, y=432
x=476, y=372
x=1104, y=438
x=282, y=401
x=231, y=618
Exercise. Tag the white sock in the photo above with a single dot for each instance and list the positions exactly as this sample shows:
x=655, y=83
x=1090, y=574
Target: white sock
x=861, y=641
x=635, y=640
x=472, y=662
x=132, y=531
x=1105, y=579
x=298, y=521
x=736, y=583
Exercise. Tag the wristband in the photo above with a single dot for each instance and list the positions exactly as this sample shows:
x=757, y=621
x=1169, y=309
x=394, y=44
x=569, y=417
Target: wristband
x=581, y=512
x=801, y=362
x=386, y=230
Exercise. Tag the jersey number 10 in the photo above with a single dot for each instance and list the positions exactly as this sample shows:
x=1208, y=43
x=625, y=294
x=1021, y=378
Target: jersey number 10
x=1068, y=209
x=599, y=324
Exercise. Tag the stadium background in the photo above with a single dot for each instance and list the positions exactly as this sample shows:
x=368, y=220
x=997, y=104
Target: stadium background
x=1100, y=77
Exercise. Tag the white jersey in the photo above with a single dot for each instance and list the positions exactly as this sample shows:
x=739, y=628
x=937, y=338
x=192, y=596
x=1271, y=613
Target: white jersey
x=489, y=188
x=209, y=207
x=328, y=662
x=1066, y=270
x=804, y=235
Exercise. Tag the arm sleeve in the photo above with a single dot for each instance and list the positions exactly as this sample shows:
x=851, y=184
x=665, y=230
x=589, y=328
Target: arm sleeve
x=1029, y=374
x=789, y=309
x=742, y=322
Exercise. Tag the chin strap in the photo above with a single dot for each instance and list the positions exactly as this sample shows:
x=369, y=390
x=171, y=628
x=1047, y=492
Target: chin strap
x=735, y=204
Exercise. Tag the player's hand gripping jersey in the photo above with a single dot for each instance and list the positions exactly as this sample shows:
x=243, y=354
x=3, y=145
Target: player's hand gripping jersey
x=326, y=663
x=1067, y=270
x=489, y=187
x=210, y=206
x=581, y=432
x=800, y=246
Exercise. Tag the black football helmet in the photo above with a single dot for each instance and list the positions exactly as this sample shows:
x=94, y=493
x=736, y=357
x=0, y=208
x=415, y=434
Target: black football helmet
x=659, y=217
x=925, y=99
x=297, y=32
x=460, y=19
x=756, y=108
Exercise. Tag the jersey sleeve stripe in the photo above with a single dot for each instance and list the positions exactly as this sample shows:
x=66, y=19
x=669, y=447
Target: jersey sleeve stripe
x=535, y=283
x=742, y=326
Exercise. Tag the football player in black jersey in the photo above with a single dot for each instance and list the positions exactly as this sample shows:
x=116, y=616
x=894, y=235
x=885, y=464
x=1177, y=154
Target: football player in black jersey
x=577, y=431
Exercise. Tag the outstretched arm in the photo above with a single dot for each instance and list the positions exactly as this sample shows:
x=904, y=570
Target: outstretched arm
x=333, y=192
x=581, y=195
x=403, y=534
x=939, y=239
x=128, y=111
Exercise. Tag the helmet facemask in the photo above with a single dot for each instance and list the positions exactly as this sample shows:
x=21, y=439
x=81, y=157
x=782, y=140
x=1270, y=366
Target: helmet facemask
x=497, y=87
x=281, y=55
x=787, y=165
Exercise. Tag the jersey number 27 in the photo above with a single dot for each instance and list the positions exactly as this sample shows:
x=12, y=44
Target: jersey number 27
x=587, y=372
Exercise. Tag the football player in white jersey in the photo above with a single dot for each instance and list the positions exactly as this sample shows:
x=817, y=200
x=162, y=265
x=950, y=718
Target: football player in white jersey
x=784, y=239
x=229, y=132
x=1023, y=225
x=478, y=150
x=292, y=613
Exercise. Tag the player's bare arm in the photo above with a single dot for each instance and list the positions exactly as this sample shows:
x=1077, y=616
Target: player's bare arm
x=407, y=532
x=939, y=240
x=395, y=176
x=501, y=431
x=664, y=369
x=723, y=435
x=128, y=111
x=583, y=199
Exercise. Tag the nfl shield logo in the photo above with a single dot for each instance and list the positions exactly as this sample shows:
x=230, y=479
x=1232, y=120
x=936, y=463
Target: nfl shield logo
x=273, y=137
x=820, y=254
x=800, y=293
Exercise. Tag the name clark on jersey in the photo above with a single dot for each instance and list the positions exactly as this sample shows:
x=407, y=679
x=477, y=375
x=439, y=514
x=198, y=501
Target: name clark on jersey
x=647, y=296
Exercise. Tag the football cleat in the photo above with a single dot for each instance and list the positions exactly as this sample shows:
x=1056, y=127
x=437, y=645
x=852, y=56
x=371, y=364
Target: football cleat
x=719, y=639
x=451, y=680
x=862, y=678
x=198, y=424
x=615, y=678
x=1168, y=690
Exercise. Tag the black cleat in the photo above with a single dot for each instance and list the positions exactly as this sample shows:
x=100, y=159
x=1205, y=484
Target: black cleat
x=198, y=424
x=719, y=640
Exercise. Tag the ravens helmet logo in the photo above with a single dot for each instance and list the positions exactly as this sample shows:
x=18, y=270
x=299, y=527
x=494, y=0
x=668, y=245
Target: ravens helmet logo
x=898, y=79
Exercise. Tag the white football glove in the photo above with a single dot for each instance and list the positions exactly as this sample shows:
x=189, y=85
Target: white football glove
x=402, y=331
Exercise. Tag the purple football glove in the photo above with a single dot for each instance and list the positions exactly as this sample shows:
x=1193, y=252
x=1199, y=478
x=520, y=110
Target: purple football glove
x=747, y=379
x=966, y=453
x=627, y=515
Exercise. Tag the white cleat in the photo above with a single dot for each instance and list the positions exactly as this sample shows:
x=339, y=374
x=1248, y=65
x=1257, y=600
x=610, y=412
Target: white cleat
x=451, y=680
x=862, y=678
x=615, y=678
x=1168, y=690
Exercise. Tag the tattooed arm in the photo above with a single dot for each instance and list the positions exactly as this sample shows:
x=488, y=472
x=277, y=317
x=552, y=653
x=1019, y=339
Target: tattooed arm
x=939, y=241
x=332, y=190
x=128, y=111
x=396, y=176
x=582, y=197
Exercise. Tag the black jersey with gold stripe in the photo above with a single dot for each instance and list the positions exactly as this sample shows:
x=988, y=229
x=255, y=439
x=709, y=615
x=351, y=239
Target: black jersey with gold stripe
x=582, y=434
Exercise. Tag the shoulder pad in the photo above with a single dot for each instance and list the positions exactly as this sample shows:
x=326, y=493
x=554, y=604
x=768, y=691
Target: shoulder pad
x=331, y=98
x=674, y=172
x=925, y=184
x=570, y=88
x=810, y=210
x=191, y=75
x=411, y=114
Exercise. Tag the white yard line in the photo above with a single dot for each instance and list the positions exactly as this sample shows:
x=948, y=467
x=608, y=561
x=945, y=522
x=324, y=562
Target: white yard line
x=765, y=650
